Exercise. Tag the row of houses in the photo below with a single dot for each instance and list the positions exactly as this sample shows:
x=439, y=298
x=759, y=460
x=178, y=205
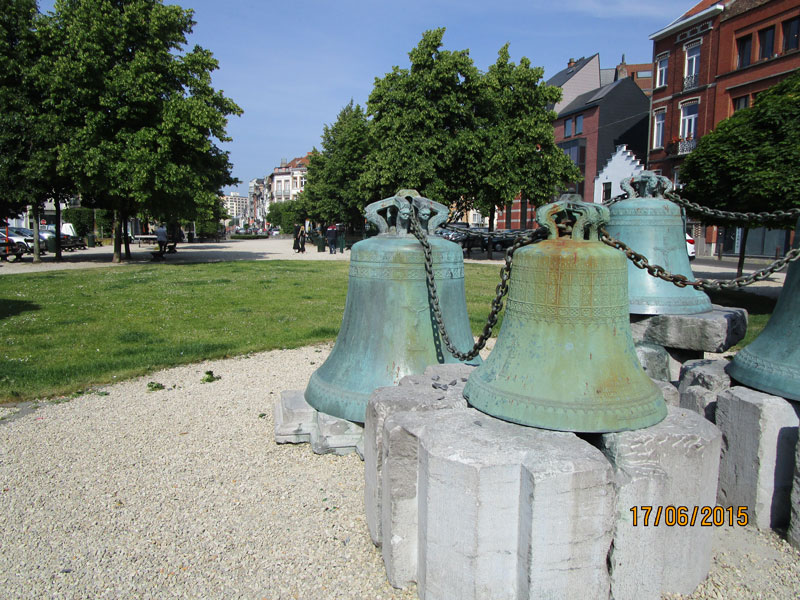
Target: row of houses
x=706, y=64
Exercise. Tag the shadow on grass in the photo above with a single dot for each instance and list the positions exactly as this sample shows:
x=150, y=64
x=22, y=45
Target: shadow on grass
x=11, y=308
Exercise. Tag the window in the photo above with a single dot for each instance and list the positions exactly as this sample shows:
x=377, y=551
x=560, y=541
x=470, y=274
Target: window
x=766, y=43
x=567, y=128
x=578, y=124
x=658, y=128
x=740, y=103
x=791, y=34
x=689, y=114
x=606, y=191
x=744, y=47
x=692, y=60
x=661, y=70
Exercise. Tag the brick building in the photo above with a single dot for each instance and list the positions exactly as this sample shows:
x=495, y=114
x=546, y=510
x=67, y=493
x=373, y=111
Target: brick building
x=712, y=61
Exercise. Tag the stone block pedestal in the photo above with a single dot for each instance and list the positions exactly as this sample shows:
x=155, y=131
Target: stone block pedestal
x=297, y=422
x=685, y=337
x=473, y=507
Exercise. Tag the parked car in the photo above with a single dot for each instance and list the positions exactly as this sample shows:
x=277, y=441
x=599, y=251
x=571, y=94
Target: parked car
x=690, y=250
x=28, y=234
x=9, y=248
x=23, y=241
x=454, y=236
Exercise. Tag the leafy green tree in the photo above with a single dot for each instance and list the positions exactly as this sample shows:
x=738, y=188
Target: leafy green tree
x=334, y=191
x=286, y=214
x=520, y=153
x=425, y=125
x=143, y=117
x=31, y=131
x=749, y=163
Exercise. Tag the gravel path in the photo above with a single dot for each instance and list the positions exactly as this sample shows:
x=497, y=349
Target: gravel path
x=182, y=492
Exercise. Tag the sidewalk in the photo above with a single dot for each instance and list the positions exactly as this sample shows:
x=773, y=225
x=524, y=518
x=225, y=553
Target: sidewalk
x=200, y=252
x=281, y=249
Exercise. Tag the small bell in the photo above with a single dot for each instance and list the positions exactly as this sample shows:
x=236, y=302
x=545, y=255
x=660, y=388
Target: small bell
x=388, y=330
x=653, y=227
x=564, y=357
x=771, y=362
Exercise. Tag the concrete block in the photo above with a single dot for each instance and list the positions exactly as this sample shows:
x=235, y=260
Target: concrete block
x=709, y=374
x=654, y=360
x=669, y=391
x=677, y=358
x=413, y=393
x=713, y=331
x=757, y=466
x=294, y=418
x=332, y=435
x=673, y=463
x=504, y=511
x=794, y=527
x=700, y=400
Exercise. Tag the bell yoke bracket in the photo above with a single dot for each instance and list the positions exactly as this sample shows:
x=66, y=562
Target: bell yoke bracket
x=392, y=216
x=586, y=218
x=646, y=184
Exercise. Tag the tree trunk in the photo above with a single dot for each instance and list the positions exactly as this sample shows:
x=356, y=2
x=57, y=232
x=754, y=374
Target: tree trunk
x=491, y=229
x=117, y=257
x=57, y=202
x=37, y=258
x=740, y=265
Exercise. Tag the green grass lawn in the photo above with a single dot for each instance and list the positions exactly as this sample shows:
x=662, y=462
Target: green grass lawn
x=65, y=331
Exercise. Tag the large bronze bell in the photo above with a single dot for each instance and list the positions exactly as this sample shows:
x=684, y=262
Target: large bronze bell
x=771, y=362
x=564, y=357
x=387, y=329
x=653, y=226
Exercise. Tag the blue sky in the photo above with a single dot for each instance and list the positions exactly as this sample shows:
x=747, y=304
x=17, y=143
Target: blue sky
x=292, y=66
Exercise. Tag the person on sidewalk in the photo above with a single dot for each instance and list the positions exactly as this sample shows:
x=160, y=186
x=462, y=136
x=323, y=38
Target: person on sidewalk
x=301, y=238
x=331, y=234
x=161, y=238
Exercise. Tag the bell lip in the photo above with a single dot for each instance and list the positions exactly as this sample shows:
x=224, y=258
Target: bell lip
x=652, y=410
x=646, y=309
x=748, y=376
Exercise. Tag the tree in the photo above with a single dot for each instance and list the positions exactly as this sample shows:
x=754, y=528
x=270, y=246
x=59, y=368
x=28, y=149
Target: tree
x=334, y=190
x=520, y=155
x=749, y=163
x=425, y=125
x=143, y=118
x=286, y=214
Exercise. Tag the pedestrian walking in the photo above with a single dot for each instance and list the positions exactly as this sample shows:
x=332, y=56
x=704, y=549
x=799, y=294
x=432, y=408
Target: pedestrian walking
x=331, y=234
x=296, y=243
x=301, y=238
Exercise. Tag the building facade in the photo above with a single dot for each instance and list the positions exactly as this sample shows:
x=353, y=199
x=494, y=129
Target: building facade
x=711, y=62
x=236, y=206
x=288, y=180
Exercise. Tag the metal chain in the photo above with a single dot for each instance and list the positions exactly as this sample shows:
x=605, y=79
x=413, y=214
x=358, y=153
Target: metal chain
x=500, y=292
x=762, y=218
x=681, y=281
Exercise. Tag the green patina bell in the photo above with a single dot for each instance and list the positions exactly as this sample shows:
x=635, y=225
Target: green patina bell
x=564, y=357
x=771, y=362
x=388, y=330
x=653, y=226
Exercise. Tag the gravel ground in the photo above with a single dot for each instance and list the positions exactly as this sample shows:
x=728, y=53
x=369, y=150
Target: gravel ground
x=182, y=492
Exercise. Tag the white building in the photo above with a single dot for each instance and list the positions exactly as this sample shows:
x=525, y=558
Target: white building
x=236, y=206
x=288, y=180
x=622, y=164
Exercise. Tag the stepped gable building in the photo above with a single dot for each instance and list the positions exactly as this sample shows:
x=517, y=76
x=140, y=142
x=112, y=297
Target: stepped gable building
x=600, y=110
x=712, y=61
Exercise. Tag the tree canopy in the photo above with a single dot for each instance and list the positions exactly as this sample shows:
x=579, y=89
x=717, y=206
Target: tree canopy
x=133, y=121
x=459, y=136
x=750, y=161
x=334, y=191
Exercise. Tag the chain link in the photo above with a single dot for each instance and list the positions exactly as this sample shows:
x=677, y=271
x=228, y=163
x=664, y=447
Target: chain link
x=760, y=218
x=500, y=292
x=641, y=262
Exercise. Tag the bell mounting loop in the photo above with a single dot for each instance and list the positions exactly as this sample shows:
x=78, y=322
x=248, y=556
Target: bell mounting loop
x=586, y=218
x=646, y=184
x=392, y=216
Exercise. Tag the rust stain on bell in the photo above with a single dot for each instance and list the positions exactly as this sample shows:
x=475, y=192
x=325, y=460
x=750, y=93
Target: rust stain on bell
x=564, y=357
